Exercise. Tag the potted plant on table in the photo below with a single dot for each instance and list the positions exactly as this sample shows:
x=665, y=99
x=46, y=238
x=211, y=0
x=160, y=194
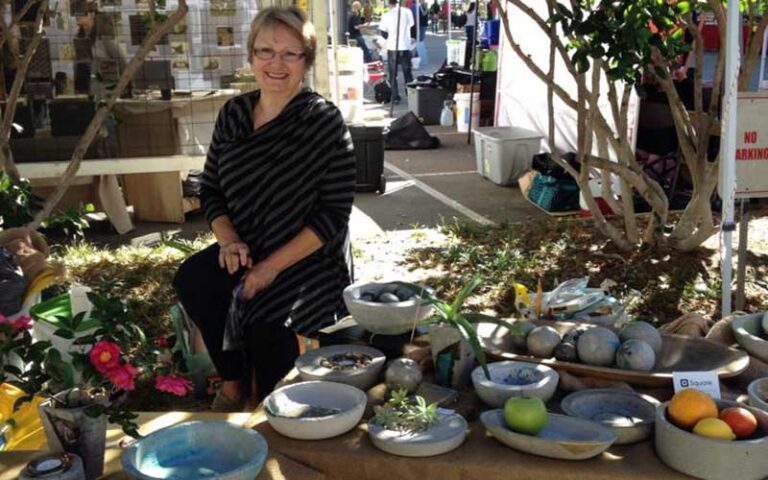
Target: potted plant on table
x=453, y=336
x=84, y=375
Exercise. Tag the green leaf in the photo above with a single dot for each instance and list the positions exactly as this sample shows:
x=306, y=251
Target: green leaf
x=13, y=370
x=465, y=292
x=64, y=333
x=21, y=401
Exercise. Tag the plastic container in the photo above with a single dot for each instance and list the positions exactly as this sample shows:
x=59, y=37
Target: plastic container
x=426, y=102
x=46, y=322
x=369, y=150
x=446, y=116
x=462, y=110
x=493, y=27
x=555, y=195
x=504, y=154
x=455, y=50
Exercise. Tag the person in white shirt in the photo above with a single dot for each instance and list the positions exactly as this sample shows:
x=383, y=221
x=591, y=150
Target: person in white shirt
x=398, y=44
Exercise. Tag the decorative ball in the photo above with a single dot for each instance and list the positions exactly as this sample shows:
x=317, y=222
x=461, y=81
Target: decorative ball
x=403, y=373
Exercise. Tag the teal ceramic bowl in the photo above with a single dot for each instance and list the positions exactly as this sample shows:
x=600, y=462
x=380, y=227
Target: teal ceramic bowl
x=197, y=450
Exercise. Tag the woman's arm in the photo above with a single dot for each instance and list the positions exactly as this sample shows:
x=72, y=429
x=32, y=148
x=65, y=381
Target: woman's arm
x=329, y=218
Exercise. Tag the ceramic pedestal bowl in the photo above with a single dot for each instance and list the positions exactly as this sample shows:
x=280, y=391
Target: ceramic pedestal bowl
x=758, y=393
x=564, y=437
x=711, y=459
x=197, y=450
x=514, y=379
x=629, y=414
x=356, y=365
x=748, y=333
x=315, y=410
x=384, y=318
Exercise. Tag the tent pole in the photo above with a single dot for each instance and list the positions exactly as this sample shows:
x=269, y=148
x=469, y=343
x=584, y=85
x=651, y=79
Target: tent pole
x=397, y=62
x=728, y=150
x=472, y=76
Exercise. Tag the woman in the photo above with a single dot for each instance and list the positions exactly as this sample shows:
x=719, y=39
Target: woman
x=277, y=191
x=469, y=30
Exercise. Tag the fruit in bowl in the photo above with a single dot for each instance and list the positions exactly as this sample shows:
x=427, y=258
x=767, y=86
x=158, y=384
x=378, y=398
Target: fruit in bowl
x=386, y=308
x=526, y=415
x=689, y=406
x=741, y=421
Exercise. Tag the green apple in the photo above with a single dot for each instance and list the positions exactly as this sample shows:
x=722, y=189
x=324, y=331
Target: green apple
x=525, y=414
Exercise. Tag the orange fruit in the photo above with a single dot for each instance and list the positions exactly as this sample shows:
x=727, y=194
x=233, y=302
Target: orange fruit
x=689, y=406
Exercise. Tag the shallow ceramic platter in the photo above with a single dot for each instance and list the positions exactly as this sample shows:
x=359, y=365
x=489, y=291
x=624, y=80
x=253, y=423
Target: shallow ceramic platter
x=629, y=414
x=447, y=435
x=679, y=353
x=564, y=437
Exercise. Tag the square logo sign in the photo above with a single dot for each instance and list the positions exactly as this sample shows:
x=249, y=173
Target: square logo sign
x=706, y=382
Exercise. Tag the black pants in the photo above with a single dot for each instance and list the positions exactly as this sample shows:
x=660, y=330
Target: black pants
x=361, y=43
x=403, y=57
x=205, y=291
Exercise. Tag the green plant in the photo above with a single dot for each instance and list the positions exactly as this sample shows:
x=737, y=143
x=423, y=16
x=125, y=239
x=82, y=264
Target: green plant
x=404, y=414
x=105, y=362
x=454, y=314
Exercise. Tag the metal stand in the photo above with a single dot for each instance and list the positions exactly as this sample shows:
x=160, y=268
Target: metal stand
x=741, y=270
x=472, y=76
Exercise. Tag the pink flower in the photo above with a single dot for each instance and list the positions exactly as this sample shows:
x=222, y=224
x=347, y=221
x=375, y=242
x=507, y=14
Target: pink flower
x=162, y=341
x=24, y=322
x=105, y=356
x=122, y=376
x=174, y=384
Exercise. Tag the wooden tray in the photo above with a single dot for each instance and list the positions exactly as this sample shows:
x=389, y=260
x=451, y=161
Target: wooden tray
x=679, y=353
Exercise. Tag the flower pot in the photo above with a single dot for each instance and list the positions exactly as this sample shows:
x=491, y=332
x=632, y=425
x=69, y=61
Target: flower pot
x=452, y=355
x=70, y=430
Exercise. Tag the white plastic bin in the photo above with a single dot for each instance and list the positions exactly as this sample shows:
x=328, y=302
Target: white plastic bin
x=455, y=51
x=462, y=110
x=504, y=154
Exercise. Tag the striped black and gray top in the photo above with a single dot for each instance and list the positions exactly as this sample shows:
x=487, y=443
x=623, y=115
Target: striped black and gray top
x=297, y=170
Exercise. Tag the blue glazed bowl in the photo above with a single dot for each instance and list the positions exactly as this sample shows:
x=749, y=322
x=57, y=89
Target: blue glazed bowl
x=197, y=450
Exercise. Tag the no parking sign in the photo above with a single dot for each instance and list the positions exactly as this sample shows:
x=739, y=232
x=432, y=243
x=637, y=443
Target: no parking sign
x=752, y=146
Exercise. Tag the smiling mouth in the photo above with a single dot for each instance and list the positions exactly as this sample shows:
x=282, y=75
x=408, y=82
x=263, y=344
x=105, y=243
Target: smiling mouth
x=277, y=76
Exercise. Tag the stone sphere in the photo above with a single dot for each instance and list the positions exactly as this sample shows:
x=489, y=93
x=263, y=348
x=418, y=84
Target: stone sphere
x=403, y=373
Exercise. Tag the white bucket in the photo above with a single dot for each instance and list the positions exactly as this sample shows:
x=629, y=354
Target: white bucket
x=462, y=111
x=455, y=50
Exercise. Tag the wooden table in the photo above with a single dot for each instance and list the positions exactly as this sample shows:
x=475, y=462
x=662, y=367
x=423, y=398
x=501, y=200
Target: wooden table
x=278, y=466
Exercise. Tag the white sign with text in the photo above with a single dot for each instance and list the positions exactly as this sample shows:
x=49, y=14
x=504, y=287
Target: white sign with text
x=706, y=382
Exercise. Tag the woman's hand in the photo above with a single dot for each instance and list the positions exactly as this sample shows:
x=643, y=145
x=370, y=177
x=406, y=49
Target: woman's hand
x=235, y=255
x=259, y=277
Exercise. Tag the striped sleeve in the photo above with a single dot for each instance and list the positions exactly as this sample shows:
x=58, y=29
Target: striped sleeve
x=336, y=190
x=212, y=198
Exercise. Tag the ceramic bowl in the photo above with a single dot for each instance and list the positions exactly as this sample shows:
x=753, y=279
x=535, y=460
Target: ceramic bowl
x=630, y=415
x=758, y=393
x=514, y=379
x=384, y=318
x=315, y=410
x=196, y=450
x=313, y=365
x=564, y=437
x=712, y=459
x=447, y=435
x=748, y=333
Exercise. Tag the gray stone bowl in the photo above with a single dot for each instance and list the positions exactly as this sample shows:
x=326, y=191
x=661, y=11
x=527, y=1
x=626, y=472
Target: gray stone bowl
x=748, y=333
x=564, y=437
x=447, y=435
x=384, y=318
x=315, y=410
x=712, y=459
x=629, y=414
x=310, y=366
x=758, y=393
x=514, y=379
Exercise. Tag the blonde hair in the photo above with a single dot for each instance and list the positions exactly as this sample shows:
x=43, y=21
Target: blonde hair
x=292, y=18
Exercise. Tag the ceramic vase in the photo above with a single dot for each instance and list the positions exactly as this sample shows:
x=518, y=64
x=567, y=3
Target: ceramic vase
x=452, y=355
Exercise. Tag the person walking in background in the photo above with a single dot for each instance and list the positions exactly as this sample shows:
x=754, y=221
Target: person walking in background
x=367, y=11
x=445, y=15
x=434, y=14
x=398, y=44
x=354, y=21
x=469, y=29
x=421, y=48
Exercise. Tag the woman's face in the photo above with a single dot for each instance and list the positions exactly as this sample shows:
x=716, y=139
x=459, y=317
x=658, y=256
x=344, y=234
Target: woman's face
x=283, y=73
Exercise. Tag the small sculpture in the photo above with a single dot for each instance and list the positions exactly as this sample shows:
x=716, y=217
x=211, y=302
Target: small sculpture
x=403, y=373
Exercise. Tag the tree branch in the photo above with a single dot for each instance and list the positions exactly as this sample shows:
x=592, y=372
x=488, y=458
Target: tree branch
x=104, y=109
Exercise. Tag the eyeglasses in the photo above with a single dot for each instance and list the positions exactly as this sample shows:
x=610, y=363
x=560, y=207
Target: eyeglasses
x=287, y=56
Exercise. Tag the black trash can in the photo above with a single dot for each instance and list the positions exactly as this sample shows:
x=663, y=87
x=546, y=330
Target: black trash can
x=426, y=102
x=369, y=150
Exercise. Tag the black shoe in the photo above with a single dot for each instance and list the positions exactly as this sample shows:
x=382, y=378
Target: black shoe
x=396, y=101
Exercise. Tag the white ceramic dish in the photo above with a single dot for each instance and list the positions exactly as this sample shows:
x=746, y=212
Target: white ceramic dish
x=334, y=409
x=629, y=414
x=384, y=318
x=197, y=450
x=758, y=393
x=310, y=366
x=447, y=435
x=564, y=437
x=711, y=459
x=514, y=379
x=748, y=333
